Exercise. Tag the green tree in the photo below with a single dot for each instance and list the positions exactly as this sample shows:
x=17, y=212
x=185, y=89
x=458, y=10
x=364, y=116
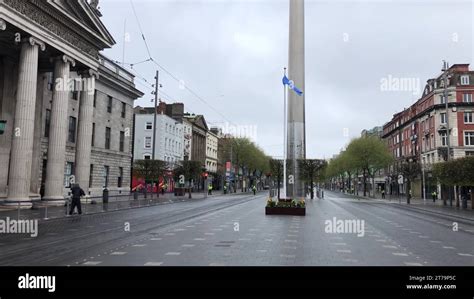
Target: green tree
x=310, y=169
x=458, y=172
x=369, y=154
x=410, y=171
x=276, y=170
x=189, y=171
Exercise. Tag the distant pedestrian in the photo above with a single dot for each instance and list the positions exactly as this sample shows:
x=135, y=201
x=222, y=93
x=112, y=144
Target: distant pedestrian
x=163, y=190
x=225, y=189
x=76, y=193
x=254, y=189
x=434, y=195
x=209, y=189
x=383, y=193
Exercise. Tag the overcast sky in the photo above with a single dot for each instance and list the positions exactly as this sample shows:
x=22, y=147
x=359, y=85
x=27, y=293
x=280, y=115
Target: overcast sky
x=232, y=54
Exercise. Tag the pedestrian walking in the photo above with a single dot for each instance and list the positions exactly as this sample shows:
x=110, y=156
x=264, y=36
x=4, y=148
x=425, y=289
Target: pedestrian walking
x=434, y=195
x=76, y=193
x=209, y=189
x=165, y=187
x=225, y=189
x=383, y=193
x=254, y=189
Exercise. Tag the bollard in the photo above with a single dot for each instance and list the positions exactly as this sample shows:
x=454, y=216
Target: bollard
x=46, y=213
x=67, y=208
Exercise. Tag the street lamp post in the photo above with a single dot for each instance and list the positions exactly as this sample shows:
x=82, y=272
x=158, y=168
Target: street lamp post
x=448, y=133
x=423, y=175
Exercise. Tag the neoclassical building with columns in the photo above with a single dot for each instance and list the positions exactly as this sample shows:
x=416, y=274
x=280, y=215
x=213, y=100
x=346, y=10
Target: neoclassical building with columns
x=68, y=109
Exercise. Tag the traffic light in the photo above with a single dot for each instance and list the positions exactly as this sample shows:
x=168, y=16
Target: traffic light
x=206, y=175
x=2, y=126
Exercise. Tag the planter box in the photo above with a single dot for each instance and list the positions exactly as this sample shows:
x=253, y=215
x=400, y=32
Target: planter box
x=285, y=211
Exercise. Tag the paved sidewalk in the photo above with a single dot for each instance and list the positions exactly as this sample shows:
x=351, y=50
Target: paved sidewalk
x=417, y=203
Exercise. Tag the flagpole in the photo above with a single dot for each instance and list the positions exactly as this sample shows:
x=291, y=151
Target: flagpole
x=284, y=135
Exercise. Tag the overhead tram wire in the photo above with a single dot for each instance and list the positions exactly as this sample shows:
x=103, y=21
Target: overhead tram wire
x=168, y=72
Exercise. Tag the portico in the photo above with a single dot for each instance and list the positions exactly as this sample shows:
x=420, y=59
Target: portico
x=42, y=43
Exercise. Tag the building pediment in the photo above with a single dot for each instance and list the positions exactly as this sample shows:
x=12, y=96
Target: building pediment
x=70, y=26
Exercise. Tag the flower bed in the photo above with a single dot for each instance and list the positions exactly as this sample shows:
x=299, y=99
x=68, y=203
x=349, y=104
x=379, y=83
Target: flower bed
x=285, y=207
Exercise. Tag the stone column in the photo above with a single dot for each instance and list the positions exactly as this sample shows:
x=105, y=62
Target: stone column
x=84, y=133
x=23, y=126
x=54, y=184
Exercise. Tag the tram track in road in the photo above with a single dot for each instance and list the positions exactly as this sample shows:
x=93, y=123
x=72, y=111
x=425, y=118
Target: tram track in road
x=67, y=247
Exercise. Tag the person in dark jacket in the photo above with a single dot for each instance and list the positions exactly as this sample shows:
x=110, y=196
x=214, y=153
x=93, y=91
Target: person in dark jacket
x=76, y=193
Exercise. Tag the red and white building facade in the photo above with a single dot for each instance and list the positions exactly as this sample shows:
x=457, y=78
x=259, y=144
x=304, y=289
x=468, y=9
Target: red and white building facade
x=418, y=133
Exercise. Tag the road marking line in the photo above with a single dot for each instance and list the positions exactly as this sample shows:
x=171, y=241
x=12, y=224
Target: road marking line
x=412, y=264
x=170, y=234
x=339, y=244
x=399, y=254
x=216, y=264
x=424, y=237
x=139, y=245
x=179, y=230
x=290, y=247
x=448, y=247
x=187, y=245
x=156, y=239
x=118, y=253
x=173, y=253
x=209, y=234
x=465, y=254
x=153, y=264
x=287, y=255
x=351, y=260
x=390, y=246
x=91, y=263
x=418, y=233
x=244, y=239
x=199, y=239
x=433, y=241
x=344, y=251
x=189, y=226
x=261, y=250
x=217, y=229
x=269, y=240
x=292, y=241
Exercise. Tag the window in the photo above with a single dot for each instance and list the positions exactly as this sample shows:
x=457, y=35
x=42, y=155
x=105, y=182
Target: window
x=124, y=110
x=122, y=141
x=469, y=153
x=465, y=80
x=71, y=137
x=107, y=138
x=106, y=176
x=109, y=104
x=467, y=117
x=444, y=139
x=443, y=99
x=68, y=173
x=47, y=122
x=467, y=98
x=443, y=118
x=119, y=179
x=147, y=142
x=146, y=157
x=149, y=126
x=93, y=134
x=91, y=175
x=469, y=138
x=74, y=93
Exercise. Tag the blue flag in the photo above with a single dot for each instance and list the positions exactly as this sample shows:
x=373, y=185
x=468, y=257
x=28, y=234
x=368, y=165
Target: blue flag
x=291, y=85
